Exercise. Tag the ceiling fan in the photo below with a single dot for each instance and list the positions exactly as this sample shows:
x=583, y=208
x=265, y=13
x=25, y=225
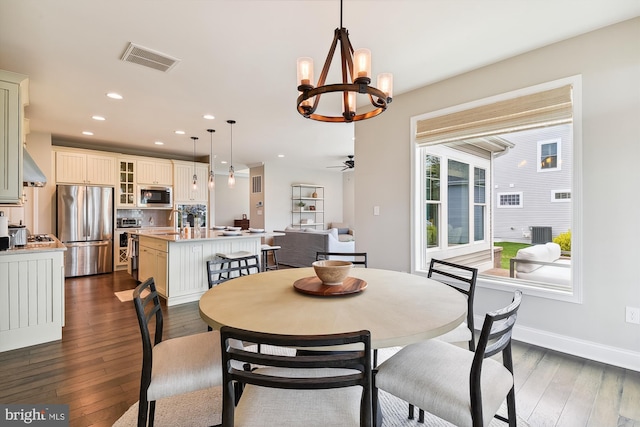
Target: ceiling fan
x=347, y=164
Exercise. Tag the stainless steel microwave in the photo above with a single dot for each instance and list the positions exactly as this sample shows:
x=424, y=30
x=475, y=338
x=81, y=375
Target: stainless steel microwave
x=154, y=197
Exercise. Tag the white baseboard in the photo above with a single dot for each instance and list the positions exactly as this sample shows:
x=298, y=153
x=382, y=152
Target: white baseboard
x=586, y=349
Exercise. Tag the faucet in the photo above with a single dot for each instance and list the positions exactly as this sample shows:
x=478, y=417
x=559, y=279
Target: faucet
x=174, y=218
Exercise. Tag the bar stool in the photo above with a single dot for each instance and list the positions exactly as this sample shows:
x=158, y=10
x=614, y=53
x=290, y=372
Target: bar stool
x=242, y=258
x=265, y=257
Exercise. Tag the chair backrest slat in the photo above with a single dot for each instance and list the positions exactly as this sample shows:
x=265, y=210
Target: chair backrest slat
x=356, y=258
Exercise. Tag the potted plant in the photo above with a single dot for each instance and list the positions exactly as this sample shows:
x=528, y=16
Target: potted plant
x=301, y=205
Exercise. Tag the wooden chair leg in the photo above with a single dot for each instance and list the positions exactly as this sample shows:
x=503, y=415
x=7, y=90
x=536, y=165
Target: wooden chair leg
x=421, y=416
x=410, y=411
x=511, y=407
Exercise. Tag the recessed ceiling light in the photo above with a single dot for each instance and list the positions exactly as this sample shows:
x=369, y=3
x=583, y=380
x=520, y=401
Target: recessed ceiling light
x=159, y=143
x=280, y=155
x=209, y=116
x=114, y=95
x=180, y=132
x=99, y=118
x=88, y=133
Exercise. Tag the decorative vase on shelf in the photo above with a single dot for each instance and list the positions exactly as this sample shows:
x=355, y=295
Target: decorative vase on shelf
x=314, y=195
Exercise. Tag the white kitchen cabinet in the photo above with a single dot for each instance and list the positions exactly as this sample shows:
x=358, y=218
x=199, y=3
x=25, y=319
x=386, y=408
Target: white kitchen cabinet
x=13, y=95
x=80, y=167
x=31, y=297
x=152, y=262
x=154, y=171
x=183, y=191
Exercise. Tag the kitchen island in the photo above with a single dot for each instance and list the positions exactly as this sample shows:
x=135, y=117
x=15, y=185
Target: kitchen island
x=31, y=294
x=178, y=263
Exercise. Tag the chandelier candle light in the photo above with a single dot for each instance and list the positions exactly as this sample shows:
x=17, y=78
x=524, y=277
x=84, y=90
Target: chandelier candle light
x=212, y=176
x=232, y=179
x=195, y=176
x=356, y=65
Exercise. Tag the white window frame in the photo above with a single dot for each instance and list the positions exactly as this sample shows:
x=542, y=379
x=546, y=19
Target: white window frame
x=520, y=200
x=558, y=167
x=562, y=200
x=574, y=295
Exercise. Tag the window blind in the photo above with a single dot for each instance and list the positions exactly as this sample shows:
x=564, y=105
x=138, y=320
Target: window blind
x=547, y=108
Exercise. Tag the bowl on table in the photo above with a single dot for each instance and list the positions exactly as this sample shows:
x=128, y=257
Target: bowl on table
x=234, y=228
x=332, y=272
x=218, y=227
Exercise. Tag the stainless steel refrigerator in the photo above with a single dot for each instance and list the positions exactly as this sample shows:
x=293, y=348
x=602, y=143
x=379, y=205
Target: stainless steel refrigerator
x=85, y=226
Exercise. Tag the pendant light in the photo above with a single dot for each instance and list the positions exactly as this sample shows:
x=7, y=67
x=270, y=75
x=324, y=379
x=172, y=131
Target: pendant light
x=212, y=175
x=232, y=179
x=195, y=176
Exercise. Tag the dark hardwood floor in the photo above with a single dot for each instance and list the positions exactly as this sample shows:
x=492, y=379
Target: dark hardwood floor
x=95, y=369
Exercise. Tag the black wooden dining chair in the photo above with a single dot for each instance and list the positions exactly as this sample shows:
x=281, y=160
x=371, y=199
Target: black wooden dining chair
x=455, y=384
x=173, y=366
x=304, y=388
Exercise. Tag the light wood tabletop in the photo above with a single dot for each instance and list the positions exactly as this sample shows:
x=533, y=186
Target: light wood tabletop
x=397, y=308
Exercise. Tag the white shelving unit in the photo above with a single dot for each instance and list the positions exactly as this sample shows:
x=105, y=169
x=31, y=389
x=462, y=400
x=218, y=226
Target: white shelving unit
x=307, y=206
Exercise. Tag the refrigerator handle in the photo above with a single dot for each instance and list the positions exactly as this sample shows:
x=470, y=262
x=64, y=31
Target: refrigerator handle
x=85, y=244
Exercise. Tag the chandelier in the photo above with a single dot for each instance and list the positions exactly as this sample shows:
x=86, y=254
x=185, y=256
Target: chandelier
x=356, y=78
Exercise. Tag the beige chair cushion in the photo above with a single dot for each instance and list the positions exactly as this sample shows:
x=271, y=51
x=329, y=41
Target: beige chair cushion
x=459, y=334
x=262, y=406
x=185, y=364
x=434, y=376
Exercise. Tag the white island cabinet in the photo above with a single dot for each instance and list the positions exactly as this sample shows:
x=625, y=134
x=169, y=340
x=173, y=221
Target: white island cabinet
x=178, y=264
x=31, y=295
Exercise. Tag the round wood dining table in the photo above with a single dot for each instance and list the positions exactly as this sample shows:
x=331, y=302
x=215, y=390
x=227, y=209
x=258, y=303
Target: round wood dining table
x=397, y=308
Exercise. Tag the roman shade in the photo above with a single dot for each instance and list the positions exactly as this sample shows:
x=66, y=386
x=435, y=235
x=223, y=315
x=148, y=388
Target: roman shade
x=547, y=108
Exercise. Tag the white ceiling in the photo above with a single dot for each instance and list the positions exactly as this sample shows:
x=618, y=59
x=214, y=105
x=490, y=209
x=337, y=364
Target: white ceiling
x=238, y=62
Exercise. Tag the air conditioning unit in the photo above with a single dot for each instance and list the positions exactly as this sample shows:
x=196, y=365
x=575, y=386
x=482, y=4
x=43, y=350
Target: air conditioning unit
x=540, y=235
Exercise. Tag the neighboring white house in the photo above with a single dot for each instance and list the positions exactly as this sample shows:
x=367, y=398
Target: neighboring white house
x=532, y=184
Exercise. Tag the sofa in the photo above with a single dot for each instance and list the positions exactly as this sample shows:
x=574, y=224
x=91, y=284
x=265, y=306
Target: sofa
x=299, y=246
x=541, y=263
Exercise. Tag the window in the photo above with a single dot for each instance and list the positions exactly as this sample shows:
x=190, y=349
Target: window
x=509, y=200
x=561, y=196
x=549, y=155
x=475, y=163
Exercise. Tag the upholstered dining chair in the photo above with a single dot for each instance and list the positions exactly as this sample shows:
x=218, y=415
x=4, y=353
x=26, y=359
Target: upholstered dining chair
x=173, y=366
x=356, y=258
x=455, y=384
x=321, y=388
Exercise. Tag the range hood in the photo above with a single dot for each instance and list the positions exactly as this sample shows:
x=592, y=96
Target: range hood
x=32, y=176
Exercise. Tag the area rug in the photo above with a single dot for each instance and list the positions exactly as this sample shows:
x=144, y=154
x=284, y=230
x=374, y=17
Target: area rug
x=127, y=295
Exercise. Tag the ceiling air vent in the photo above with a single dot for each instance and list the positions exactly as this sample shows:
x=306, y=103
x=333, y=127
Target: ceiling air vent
x=149, y=58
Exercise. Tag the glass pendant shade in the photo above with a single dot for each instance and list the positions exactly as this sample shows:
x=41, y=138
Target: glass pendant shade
x=232, y=179
x=305, y=71
x=195, y=176
x=212, y=175
x=361, y=64
x=385, y=84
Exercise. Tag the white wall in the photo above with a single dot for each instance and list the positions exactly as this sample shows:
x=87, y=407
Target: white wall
x=230, y=204
x=348, y=197
x=277, y=203
x=609, y=62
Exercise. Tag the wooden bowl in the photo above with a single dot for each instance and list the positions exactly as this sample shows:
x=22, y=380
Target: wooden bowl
x=332, y=272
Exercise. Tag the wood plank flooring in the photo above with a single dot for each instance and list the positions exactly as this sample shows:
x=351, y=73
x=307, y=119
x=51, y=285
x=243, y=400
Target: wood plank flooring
x=95, y=369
